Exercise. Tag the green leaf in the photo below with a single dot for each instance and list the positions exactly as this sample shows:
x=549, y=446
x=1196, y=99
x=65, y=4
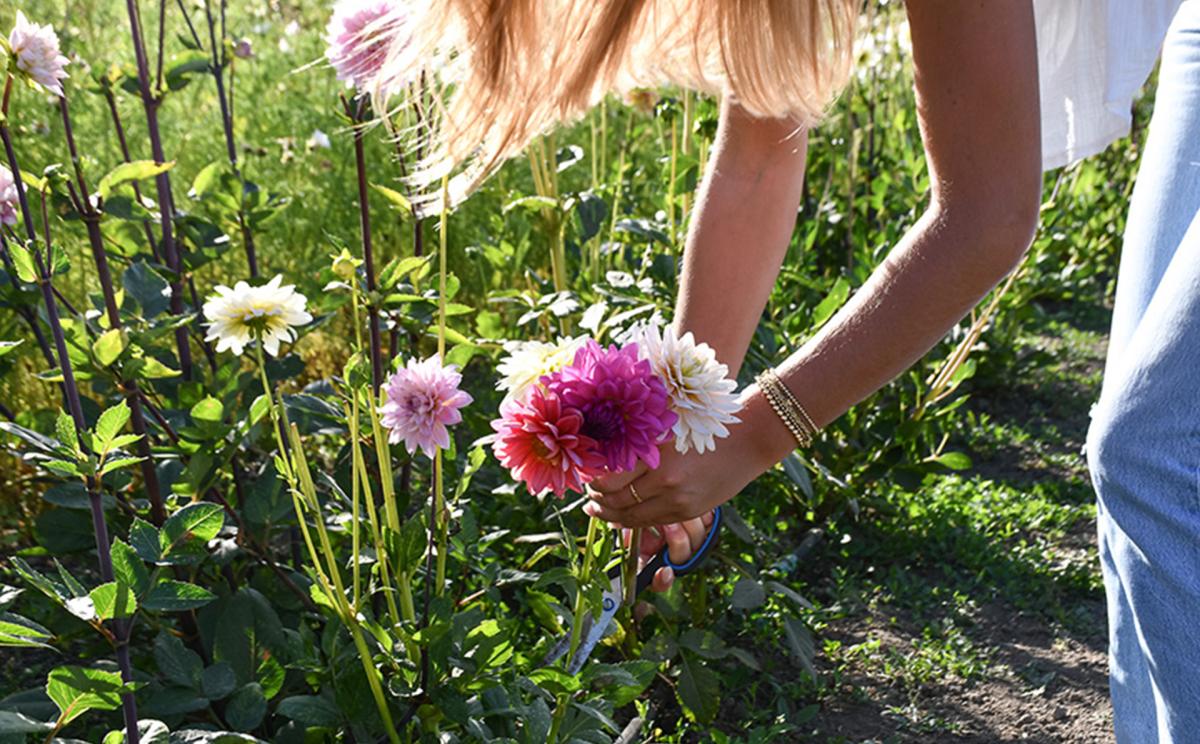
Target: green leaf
x=120, y=462
x=176, y=596
x=194, y=524
x=14, y=724
x=395, y=198
x=128, y=567
x=64, y=429
x=748, y=594
x=176, y=662
x=246, y=708
x=110, y=423
x=76, y=690
x=218, y=680
x=7, y=347
x=22, y=259
x=208, y=411
x=698, y=689
x=310, y=710
x=63, y=468
x=127, y=172
x=114, y=600
x=828, y=306
x=22, y=632
x=109, y=346
x=954, y=460
x=144, y=539
x=800, y=643
x=145, y=285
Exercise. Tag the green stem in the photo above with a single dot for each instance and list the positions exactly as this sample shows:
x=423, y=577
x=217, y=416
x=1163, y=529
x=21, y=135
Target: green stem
x=564, y=699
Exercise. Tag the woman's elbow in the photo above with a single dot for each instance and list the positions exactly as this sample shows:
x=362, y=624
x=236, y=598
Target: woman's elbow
x=1002, y=227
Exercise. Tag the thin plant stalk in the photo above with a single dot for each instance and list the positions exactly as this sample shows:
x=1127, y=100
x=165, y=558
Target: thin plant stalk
x=443, y=522
x=129, y=388
x=584, y=575
x=304, y=497
x=364, y=212
x=166, y=203
x=75, y=408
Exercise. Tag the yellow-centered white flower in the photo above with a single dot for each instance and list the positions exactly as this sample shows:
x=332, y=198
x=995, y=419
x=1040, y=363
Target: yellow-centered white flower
x=528, y=361
x=269, y=313
x=702, y=395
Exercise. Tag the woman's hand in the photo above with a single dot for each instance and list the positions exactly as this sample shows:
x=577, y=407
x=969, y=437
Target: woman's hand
x=686, y=486
x=681, y=540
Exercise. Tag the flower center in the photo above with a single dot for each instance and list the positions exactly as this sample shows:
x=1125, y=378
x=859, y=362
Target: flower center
x=604, y=421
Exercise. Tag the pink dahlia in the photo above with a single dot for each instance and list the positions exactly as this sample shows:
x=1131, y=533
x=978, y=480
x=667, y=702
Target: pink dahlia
x=540, y=441
x=35, y=48
x=8, y=198
x=625, y=406
x=422, y=400
x=358, y=37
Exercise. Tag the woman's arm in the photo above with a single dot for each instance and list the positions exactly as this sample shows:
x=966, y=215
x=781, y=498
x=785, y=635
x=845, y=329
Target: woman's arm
x=745, y=215
x=975, y=67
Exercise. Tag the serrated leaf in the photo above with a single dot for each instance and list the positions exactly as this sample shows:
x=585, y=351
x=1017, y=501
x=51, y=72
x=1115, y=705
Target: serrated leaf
x=22, y=259
x=109, y=346
x=64, y=429
x=143, y=537
x=128, y=172
x=117, y=464
x=114, y=600
x=698, y=689
x=176, y=596
x=246, y=708
x=177, y=662
x=109, y=425
x=128, y=567
x=22, y=632
x=77, y=690
x=748, y=594
x=310, y=710
x=195, y=523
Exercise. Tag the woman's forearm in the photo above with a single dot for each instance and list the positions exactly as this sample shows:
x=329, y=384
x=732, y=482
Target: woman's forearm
x=939, y=271
x=745, y=215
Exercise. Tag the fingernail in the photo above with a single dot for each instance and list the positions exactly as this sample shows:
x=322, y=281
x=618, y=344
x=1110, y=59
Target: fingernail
x=591, y=509
x=670, y=574
x=672, y=528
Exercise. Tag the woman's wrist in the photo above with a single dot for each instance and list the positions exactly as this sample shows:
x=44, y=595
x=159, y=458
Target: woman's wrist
x=768, y=439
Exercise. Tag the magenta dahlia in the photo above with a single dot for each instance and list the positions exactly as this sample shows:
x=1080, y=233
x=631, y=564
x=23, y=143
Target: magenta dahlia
x=625, y=406
x=540, y=441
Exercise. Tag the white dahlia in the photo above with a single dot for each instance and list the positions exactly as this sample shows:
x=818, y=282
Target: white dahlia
x=528, y=361
x=37, y=53
x=240, y=315
x=702, y=395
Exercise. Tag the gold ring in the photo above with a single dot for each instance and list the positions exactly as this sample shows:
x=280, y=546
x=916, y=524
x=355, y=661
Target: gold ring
x=633, y=491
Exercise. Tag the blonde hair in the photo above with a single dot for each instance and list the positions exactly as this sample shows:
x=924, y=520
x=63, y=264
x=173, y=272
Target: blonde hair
x=513, y=69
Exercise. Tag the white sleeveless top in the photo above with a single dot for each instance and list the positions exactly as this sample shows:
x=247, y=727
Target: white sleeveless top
x=1094, y=57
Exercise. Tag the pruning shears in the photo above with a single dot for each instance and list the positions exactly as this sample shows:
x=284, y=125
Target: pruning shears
x=595, y=630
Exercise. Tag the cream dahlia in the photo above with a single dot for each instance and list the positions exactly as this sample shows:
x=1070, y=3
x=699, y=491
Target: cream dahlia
x=269, y=313
x=528, y=361
x=701, y=393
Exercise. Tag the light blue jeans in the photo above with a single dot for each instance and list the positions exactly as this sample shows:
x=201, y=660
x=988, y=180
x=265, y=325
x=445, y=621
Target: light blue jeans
x=1144, y=442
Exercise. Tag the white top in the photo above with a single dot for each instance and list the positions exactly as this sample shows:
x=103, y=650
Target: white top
x=1094, y=57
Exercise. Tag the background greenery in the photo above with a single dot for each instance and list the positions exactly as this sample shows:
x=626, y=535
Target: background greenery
x=875, y=587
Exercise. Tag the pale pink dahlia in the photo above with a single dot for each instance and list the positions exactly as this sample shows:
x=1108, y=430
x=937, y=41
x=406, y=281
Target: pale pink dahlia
x=625, y=406
x=37, y=54
x=8, y=198
x=422, y=400
x=358, y=36
x=540, y=441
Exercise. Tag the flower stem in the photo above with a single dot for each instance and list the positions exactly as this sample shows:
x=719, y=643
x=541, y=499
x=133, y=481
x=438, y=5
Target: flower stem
x=75, y=407
x=364, y=212
x=584, y=575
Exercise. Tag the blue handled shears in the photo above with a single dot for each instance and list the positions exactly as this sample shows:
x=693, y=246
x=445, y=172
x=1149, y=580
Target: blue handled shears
x=594, y=630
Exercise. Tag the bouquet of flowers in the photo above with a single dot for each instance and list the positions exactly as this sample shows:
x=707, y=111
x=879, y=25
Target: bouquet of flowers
x=576, y=410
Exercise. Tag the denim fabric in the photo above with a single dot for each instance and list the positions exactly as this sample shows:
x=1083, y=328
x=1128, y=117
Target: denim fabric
x=1144, y=443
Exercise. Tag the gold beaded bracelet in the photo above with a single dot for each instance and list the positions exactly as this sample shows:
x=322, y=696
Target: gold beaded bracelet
x=787, y=407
